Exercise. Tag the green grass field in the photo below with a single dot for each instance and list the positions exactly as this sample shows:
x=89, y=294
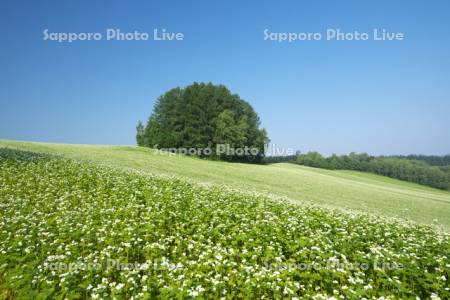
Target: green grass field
x=341, y=189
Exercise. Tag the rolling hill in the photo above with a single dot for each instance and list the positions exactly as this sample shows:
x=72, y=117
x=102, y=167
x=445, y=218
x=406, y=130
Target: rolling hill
x=346, y=190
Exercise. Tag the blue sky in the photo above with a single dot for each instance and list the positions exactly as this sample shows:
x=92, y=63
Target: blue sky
x=331, y=96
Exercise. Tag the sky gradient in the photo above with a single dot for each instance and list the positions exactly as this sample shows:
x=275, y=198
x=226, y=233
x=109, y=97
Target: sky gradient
x=330, y=96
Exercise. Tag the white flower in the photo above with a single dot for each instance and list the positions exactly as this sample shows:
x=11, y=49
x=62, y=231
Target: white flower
x=435, y=297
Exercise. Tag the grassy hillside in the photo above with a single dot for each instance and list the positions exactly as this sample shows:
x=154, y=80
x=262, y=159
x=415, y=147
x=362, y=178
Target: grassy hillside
x=343, y=189
x=72, y=230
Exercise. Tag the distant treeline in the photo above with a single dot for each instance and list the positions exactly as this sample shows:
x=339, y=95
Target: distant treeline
x=433, y=160
x=432, y=171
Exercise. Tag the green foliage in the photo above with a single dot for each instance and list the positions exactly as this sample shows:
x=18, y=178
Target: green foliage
x=433, y=160
x=140, y=134
x=279, y=159
x=411, y=170
x=312, y=159
x=125, y=235
x=202, y=116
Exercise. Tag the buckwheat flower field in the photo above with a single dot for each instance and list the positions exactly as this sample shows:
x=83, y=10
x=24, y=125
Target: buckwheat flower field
x=72, y=229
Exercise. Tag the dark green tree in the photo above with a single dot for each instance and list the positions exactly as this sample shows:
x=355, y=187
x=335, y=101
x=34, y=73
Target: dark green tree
x=204, y=115
x=140, y=134
x=312, y=159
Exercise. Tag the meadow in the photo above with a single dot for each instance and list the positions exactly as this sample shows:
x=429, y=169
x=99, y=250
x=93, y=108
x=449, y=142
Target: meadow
x=73, y=229
x=347, y=190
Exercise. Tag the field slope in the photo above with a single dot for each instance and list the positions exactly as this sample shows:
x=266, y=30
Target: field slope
x=78, y=230
x=341, y=189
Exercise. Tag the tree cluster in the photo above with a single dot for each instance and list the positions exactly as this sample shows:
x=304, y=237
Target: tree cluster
x=202, y=116
x=434, y=160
